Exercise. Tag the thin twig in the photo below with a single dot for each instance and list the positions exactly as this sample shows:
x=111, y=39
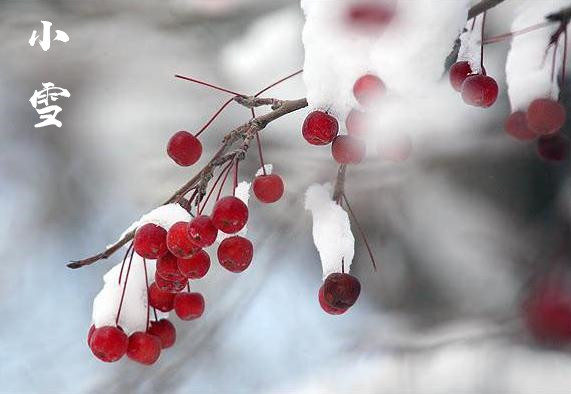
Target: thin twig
x=361, y=231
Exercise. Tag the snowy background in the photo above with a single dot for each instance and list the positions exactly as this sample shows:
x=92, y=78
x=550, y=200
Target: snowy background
x=457, y=230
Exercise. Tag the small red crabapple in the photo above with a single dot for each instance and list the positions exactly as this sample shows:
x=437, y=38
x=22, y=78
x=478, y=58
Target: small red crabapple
x=480, y=91
x=144, y=348
x=202, y=231
x=395, y=147
x=159, y=299
x=268, y=188
x=90, y=333
x=108, y=343
x=348, y=150
x=150, y=241
x=168, y=285
x=328, y=308
x=229, y=215
x=356, y=123
x=165, y=331
x=167, y=268
x=341, y=290
x=196, y=266
x=368, y=89
x=368, y=15
x=319, y=128
x=189, y=306
x=553, y=148
x=235, y=253
x=545, y=116
x=459, y=72
x=516, y=126
x=179, y=242
x=184, y=148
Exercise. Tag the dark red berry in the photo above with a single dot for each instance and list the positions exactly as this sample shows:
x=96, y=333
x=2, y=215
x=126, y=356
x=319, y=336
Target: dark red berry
x=165, y=331
x=179, y=242
x=395, y=147
x=516, y=126
x=150, y=241
x=459, y=72
x=202, y=231
x=170, y=286
x=341, y=290
x=553, y=148
x=480, y=91
x=545, y=116
x=144, y=348
x=319, y=128
x=368, y=15
x=189, y=306
x=328, y=308
x=184, y=148
x=235, y=253
x=356, y=123
x=90, y=334
x=348, y=150
x=159, y=299
x=196, y=266
x=268, y=188
x=230, y=215
x=368, y=89
x=167, y=268
x=108, y=343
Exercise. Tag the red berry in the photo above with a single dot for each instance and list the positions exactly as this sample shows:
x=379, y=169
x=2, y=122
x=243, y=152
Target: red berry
x=229, y=215
x=480, y=90
x=319, y=128
x=341, y=290
x=196, y=266
x=90, y=334
x=370, y=15
x=459, y=72
x=235, y=253
x=159, y=299
x=553, y=147
x=167, y=268
x=328, y=308
x=516, y=126
x=144, y=348
x=395, y=147
x=268, y=188
x=165, y=331
x=150, y=241
x=189, y=306
x=201, y=231
x=348, y=150
x=545, y=116
x=368, y=89
x=108, y=343
x=184, y=148
x=179, y=242
x=170, y=286
x=356, y=123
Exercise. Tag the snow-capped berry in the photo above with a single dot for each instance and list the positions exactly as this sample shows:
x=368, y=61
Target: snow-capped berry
x=235, y=253
x=108, y=343
x=341, y=290
x=348, y=150
x=150, y=241
x=553, y=148
x=459, y=72
x=516, y=126
x=368, y=15
x=268, y=188
x=167, y=268
x=196, y=266
x=229, y=215
x=368, y=89
x=395, y=147
x=189, y=306
x=328, y=308
x=90, y=333
x=319, y=128
x=356, y=123
x=159, y=299
x=170, y=286
x=144, y=348
x=480, y=90
x=545, y=116
x=201, y=231
x=165, y=331
x=184, y=148
x=179, y=242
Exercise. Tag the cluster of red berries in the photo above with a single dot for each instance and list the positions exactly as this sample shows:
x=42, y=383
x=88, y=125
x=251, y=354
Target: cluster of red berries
x=543, y=120
x=370, y=15
x=338, y=293
x=477, y=89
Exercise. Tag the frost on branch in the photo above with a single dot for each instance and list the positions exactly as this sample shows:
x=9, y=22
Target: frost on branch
x=268, y=167
x=332, y=234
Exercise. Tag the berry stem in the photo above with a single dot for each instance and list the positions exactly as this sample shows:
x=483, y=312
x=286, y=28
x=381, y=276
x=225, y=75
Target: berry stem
x=482, y=41
x=555, y=48
x=259, y=142
x=502, y=37
x=363, y=235
x=235, y=177
x=124, y=288
x=224, y=180
x=564, y=65
x=201, y=208
x=123, y=263
x=207, y=84
x=213, y=118
x=278, y=82
x=147, y=287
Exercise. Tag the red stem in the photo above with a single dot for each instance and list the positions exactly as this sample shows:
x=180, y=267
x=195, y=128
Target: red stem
x=213, y=118
x=208, y=84
x=564, y=66
x=213, y=187
x=123, y=263
x=369, y=250
x=501, y=37
x=124, y=288
x=235, y=178
x=148, y=305
x=278, y=82
x=482, y=43
x=224, y=181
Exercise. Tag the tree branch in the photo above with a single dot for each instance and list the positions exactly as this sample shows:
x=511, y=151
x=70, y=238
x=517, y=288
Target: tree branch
x=482, y=7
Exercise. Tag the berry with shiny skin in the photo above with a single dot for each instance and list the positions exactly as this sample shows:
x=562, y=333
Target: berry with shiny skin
x=179, y=242
x=368, y=89
x=165, y=331
x=553, y=148
x=144, y=348
x=170, y=286
x=202, y=231
x=516, y=126
x=189, y=306
x=159, y=299
x=196, y=266
x=459, y=72
x=480, y=91
x=341, y=290
x=268, y=188
x=184, y=148
x=348, y=150
x=235, y=253
x=328, y=308
x=229, y=215
x=320, y=128
x=108, y=343
x=545, y=116
x=167, y=268
x=150, y=241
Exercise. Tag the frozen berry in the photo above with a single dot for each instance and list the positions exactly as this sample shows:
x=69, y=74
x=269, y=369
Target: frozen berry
x=168, y=285
x=348, y=150
x=196, y=266
x=553, y=147
x=144, y=348
x=328, y=308
x=108, y=343
x=341, y=290
x=545, y=116
x=150, y=241
x=368, y=89
x=480, y=91
x=189, y=306
x=90, y=333
x=356, y=123
x=268, y=188
x=516, y=126
x=459, y=72
x=230, y=215
x=235, y=253
x=167, y=268
x=184, y=148
x=395, y=147
x=319, y=128
x=165, y=331
x=201, y=231
x=159, y=299
x=368, y=15
x=179, y=242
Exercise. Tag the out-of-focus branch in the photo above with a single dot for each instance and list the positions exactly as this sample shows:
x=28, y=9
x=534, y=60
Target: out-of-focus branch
x=482, y=7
